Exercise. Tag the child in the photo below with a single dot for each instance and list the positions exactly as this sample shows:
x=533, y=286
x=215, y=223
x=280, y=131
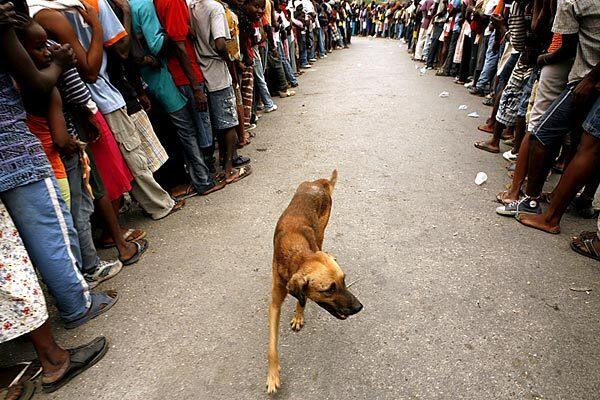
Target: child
x=45, y=117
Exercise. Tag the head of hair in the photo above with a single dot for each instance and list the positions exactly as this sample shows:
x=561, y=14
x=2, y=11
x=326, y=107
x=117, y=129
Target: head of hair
x=22, y=22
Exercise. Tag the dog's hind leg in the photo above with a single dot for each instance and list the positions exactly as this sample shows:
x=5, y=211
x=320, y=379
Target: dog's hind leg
x=278, y=295
x=298, y=318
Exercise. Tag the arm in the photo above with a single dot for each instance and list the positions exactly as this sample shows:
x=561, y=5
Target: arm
x=566, y=51
x=88, y=63
x=585, y=90
x=123, y=46
x=58, y=127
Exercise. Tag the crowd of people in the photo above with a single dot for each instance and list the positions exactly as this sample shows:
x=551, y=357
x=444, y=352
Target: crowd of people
x=108, y=103
x=536, y=63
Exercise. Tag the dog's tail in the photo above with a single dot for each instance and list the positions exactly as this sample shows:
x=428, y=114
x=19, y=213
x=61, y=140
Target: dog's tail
x=333, y=179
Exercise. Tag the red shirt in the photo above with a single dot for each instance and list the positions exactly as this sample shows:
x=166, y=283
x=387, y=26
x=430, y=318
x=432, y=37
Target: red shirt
x=175, y=18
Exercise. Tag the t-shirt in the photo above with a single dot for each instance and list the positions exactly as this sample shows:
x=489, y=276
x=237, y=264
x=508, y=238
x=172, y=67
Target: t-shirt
x=175, y=18
x=266, y=17
x=39, y=127
x=146, y=26
x=425, y=6
x=104, y=94
x=208, y=23
x=22, y=158
x=581, y=17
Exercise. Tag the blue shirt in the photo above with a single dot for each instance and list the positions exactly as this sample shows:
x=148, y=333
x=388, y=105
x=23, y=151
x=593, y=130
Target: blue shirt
x=146, y=26
x=104, y=94
x=22, y=158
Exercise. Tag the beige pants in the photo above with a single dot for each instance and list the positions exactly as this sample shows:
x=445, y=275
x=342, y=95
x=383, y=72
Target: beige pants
x=151, y=196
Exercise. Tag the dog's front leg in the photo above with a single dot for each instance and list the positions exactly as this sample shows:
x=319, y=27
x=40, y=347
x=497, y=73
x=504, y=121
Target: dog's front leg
x=278, y=295
x=298, y=319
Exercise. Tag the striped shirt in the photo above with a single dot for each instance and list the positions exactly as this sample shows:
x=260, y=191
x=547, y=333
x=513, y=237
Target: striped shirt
x=517, y=26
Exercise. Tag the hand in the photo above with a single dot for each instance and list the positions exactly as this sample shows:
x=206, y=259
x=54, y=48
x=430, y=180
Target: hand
x=90, y=15
x=584, y=92
x=151, y=61
x=541, y=60
x=7, y=15
x=92, y=128
x=200, y=100
x=71, y=147
x=63, y=55
x=145, y=102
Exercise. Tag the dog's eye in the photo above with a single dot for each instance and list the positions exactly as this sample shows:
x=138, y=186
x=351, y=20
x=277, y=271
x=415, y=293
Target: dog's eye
x=332, y=288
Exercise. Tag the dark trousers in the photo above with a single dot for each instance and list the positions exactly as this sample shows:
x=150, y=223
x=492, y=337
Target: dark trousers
x=438, y=28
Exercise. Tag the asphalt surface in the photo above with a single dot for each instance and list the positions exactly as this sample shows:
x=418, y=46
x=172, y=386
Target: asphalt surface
x=459, y=303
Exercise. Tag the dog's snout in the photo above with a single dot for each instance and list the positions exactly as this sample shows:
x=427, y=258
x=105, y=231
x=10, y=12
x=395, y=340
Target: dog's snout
x=357, y=307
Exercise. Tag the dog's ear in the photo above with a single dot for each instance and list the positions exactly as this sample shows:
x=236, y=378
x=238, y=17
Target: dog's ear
x=297, y=287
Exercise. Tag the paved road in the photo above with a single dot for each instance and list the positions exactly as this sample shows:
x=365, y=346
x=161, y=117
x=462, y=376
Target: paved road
x=459, y=303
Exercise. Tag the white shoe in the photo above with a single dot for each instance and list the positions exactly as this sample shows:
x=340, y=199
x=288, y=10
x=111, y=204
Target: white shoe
x=509, y=156
x=271, y=109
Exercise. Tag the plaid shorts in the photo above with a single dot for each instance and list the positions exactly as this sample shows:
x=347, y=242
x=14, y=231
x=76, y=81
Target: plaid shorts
x=512, y=94
x=150, y=144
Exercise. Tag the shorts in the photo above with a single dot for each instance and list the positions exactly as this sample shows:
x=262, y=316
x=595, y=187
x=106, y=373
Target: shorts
x=592, y=123
x=223, y=113
x=556, y=122
x=512, y=94
x=527, y=90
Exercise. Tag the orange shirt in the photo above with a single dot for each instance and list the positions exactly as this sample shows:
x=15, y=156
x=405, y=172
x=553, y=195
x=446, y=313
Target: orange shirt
x=39, y=127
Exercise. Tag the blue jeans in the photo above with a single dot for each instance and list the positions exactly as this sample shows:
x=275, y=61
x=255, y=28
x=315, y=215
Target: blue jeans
x=201, y=119
x=192, y=155
x=82, y=208
x=302, y=45
x=260, y=85
x=489, y=66
x=46, y=227
x=321, y=42
x=310, y=44
x=289, y=73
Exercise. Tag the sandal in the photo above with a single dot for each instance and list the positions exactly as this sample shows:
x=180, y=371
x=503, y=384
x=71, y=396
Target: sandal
x=485, y=147
x=584, y=245
x=178, y=206
x=101, y=303
x=238, y=174
x=486, y=128
x=25, y=389
x=141, y=247
x=80, y=359
x=216, y=187
x=190, y=191
x=130, y=235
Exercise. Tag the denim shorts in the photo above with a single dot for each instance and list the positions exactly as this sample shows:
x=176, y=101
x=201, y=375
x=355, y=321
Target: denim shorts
x=592, y=122
x=223, y=113
x=556, y=122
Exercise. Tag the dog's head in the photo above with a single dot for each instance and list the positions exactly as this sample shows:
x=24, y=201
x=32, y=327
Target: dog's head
x=322, y=280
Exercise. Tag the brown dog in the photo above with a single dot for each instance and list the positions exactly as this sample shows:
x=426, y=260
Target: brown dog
x=301, y=269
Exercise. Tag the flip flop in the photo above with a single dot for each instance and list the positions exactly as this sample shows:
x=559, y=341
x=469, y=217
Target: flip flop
x=80, y=359
x=484, y=147
x=130, y=235
x=27, y=391
x=486, y=128
x=190, y=191
x=177, y=207
x=98, y=301
x=216, y=187
x=141, y=247
x=240, y=174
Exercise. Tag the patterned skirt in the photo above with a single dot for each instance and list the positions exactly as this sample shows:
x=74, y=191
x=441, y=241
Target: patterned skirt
x=22, y=303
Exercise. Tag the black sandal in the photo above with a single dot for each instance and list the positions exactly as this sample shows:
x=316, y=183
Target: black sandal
x=80, y=359
x=141, y=247
x=586, y=239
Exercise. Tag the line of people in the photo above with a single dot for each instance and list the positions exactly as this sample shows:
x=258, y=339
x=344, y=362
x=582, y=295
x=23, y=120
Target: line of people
x=108, y=102
x=537, y=64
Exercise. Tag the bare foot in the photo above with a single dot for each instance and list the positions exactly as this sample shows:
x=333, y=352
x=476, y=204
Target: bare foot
x=505, y=197
x=538, y=222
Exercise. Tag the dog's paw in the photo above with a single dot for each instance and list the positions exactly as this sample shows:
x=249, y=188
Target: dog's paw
x=297, y=322
x=273, y=382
